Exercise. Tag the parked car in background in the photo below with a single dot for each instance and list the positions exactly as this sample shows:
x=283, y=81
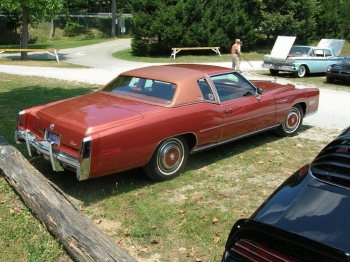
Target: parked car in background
x=306, y=218
x=339, y=71
x=302, y=60
x=153, y=117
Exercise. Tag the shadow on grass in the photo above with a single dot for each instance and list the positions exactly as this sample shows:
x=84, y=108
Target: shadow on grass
x=19, y=93
x=97, y=189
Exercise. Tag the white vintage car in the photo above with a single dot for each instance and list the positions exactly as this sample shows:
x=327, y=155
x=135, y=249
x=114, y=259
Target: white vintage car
x=302, y=60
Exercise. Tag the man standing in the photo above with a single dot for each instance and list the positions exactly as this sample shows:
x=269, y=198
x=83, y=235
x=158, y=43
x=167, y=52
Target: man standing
x=236, y=55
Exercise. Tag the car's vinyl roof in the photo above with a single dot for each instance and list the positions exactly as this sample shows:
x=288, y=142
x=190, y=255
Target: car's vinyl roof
x=177, y=72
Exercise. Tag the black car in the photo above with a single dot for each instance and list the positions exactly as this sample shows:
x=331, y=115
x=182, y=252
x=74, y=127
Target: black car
x=340, y=71
x=306, y=219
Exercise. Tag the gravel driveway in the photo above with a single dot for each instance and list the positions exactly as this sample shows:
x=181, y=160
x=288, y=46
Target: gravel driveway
x=333, y=114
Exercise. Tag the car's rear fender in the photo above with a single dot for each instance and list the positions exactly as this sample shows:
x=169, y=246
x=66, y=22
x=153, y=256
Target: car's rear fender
x=249, y=238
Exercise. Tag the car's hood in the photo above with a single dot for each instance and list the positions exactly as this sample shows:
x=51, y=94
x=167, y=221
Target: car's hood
x=335, y=44
x=282, y=47
x=273, y=87
x=92, y=111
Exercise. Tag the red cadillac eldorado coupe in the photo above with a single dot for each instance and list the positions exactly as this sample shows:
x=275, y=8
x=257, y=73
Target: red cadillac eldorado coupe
x=154, y=117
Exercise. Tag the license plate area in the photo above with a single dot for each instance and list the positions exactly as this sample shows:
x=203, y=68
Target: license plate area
x=52, y=137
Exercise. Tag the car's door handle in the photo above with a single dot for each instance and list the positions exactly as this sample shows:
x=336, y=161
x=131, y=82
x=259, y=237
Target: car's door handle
x=228, y=111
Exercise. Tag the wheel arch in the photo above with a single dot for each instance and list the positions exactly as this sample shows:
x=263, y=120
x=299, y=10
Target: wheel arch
x=303, y=106
x=191, y=140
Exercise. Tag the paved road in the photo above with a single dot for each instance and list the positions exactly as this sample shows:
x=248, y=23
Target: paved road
x=333, y=111
x=104, y=67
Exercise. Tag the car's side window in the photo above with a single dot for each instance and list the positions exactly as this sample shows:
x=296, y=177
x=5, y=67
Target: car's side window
x=319, y=53
x=206, y=90
x=232, y=86
x=328, y=53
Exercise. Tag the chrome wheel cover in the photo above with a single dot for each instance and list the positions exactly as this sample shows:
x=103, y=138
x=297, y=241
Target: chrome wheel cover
x=292, y=122
x=170, y=156
x=301, y=71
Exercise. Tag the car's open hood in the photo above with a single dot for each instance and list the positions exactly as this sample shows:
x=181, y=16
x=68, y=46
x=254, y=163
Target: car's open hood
x=282, y=47
x=335, y=44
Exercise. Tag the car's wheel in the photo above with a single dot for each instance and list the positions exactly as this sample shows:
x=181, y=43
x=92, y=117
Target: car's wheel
x=291, y=125
x=274, y=72
x=330, y=79
x=168, y=160
x=301, y=71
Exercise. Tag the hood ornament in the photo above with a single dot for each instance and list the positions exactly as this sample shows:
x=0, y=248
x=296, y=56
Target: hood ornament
x=52, y=126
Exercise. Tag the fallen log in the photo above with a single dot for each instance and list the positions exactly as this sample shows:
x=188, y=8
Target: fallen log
x=61, y=215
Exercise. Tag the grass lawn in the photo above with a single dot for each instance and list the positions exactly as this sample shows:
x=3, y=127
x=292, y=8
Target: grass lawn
x=185, y=219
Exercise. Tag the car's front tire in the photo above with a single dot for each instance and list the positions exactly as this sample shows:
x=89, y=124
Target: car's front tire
x=302, y=70
x=291, y=125
x=330, y=79
x=274, y=72
x=168, y=160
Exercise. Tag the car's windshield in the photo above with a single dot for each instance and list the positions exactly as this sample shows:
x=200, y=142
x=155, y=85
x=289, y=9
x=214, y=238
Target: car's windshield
x=300, y=51
x=148, y=90
x=232, y=86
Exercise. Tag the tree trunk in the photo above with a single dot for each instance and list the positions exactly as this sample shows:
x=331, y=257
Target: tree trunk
x=60, y=214
x=52, y=29
x=114, y=16
x=25, y=34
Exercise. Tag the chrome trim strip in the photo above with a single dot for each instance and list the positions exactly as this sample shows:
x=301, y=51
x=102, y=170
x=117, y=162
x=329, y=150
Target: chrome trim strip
x=27, y=143
x=83, y=168
x=51, y=157
x=199, y=149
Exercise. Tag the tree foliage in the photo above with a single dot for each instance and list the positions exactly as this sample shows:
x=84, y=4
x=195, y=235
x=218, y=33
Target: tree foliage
x=159, y=25
x=162, y=24
x=32, y=11
x=289, y=17
x=334, y=19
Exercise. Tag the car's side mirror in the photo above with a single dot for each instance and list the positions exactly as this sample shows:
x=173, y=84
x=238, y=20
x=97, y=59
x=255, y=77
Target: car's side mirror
x=258, y=92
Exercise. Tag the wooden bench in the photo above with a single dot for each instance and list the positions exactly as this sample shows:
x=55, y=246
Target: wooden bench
x=50, y=51
x=178, y=49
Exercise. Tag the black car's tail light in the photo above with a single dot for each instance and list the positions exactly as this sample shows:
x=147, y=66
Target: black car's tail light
x=247, y=250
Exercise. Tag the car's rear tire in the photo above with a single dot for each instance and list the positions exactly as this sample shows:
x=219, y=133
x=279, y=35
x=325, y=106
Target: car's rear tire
x=291, y=125
x=274, y=72
x=302, y=70
x=168, y=160
x=330, y=79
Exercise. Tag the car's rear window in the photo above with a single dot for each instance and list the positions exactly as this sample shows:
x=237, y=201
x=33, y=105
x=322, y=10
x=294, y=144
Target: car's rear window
x=148, y=90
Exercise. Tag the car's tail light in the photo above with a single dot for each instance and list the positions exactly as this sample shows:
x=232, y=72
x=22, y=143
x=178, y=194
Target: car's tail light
x=247, y=250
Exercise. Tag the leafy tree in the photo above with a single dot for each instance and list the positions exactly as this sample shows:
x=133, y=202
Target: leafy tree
x=333, y=21
x=162, y=24
x=32, y=11
x=344, y=23
x=289, y=17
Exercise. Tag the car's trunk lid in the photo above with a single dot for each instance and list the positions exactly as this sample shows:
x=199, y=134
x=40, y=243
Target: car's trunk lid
x=87, y=114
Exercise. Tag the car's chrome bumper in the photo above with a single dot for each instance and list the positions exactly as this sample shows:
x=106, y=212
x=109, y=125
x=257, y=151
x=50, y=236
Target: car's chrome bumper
x=59, y=159
x=290, y=68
